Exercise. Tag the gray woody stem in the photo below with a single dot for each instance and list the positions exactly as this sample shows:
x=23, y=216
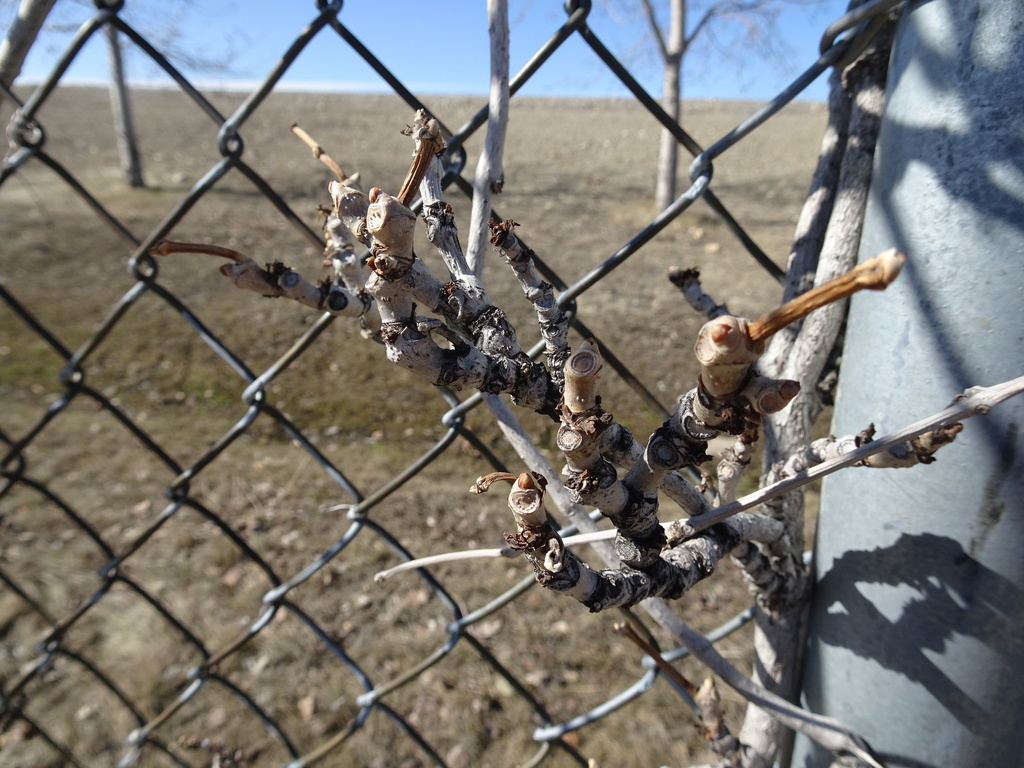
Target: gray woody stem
x=554, y=325
x=976, y=401
x=559, y=569
x=490, y=177
x=469, y=305
x=908, y=446
x=827, y=732
x=275, y=280
x=826, y=244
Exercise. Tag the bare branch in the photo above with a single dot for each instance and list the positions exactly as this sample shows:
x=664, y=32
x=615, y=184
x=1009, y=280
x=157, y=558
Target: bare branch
x=688, y=283
x=318, y=152
x=682, y=566
x=827, y=732
x=726, y=10
x=656, y=30
x=553, y=323
x=976, y=401
x=710, y=13
x=275, y=280
x=669, y=575
x=490, y=174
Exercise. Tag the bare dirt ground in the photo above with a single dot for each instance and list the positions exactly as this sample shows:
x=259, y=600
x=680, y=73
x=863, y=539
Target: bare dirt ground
x=579, y=176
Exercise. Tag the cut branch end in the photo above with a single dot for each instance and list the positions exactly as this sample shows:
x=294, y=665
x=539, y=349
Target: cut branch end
x=582, y=373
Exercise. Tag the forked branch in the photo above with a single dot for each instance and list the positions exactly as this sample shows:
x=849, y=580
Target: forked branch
x=470, y=343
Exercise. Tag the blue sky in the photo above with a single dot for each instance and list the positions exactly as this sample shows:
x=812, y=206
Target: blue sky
x=436, y=47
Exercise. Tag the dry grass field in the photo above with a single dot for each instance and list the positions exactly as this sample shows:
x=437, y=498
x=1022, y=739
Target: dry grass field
x=579, y=180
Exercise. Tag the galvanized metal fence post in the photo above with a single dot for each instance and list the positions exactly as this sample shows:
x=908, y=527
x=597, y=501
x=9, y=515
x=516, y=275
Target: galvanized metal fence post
x=917, y=630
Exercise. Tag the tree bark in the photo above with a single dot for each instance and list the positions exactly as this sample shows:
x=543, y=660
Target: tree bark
x=668, y=152
x=672, y=51
x=490, y=174
x=124, y=129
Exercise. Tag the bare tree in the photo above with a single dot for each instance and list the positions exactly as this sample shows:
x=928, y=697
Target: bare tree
x=164, y=26
x=674, y=37
x=21, y=35
x=672, y=44
x=157, y=21
x=120, y=106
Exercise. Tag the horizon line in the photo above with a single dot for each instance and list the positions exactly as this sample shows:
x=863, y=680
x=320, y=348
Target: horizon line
x=349, y=87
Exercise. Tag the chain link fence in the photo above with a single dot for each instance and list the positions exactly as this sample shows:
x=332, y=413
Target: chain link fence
x=190, y=527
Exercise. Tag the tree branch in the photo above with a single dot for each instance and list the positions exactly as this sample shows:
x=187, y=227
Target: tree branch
x=560, y=570
x=976, y=401
x=490, y=174
x=656, y=31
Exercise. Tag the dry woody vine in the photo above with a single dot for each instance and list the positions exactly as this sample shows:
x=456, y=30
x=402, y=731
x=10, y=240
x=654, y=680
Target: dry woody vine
x=468, y=343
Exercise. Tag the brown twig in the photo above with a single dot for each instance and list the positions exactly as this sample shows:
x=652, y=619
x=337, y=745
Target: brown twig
x=318, y=152
x=629, y=631
x=874, y=274
x=427, y=132
x=484, y=483
x=166, y=247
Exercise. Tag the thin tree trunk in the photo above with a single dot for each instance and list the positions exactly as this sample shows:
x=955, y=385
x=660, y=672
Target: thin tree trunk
x=668, y=153
x=124, y=129
x=19, y=38
x=672, y=51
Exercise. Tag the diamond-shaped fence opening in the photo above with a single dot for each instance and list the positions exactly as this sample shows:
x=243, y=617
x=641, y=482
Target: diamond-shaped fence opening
x=199, y=485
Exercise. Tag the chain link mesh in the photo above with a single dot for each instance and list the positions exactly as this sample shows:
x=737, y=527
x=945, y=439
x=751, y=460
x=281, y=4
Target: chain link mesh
x=113, y=512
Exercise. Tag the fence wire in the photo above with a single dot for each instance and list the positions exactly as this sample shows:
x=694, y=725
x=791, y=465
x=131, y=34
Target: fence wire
x=79, y=677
